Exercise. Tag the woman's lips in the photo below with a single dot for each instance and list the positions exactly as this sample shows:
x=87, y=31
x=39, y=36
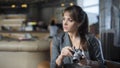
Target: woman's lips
x=65, y=27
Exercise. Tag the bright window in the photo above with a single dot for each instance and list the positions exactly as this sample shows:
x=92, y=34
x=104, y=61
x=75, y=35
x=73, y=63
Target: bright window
x=91, y=6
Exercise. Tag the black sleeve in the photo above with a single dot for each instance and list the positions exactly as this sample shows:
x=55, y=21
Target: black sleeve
x=98, y=52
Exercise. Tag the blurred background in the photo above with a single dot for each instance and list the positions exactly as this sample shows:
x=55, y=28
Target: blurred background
x=26, y=29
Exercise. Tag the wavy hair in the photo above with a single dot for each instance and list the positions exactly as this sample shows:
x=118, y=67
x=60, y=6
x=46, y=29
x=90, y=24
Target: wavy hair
x=79, y=16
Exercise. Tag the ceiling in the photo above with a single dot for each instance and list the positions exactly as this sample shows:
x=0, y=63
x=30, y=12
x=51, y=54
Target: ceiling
x=7, y=3
x=21, y=1
x=2, y=2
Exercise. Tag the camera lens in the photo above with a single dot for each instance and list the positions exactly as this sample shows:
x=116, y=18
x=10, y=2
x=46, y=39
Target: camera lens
x=77, y=56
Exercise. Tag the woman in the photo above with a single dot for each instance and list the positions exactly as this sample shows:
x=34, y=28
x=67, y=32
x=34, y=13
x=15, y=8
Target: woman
x=76, y=37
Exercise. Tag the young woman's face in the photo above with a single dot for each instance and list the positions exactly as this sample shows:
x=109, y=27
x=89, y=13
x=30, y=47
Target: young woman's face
x=69, y=25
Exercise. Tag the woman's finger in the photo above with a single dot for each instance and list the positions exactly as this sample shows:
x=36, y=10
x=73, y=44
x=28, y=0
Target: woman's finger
x=66, y=51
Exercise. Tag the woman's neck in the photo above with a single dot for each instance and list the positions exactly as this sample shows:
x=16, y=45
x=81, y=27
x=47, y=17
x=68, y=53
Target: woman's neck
x=75, y=40
x=73, y=35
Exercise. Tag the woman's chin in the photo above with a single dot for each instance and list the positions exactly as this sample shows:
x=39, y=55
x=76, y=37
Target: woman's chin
x=65, y=30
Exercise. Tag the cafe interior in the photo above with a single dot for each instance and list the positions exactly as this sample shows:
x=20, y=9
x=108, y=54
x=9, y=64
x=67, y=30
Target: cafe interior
x=25, y=37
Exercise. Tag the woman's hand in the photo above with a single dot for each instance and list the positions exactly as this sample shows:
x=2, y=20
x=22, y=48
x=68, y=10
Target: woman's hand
x=66, y=51
x=84, y=61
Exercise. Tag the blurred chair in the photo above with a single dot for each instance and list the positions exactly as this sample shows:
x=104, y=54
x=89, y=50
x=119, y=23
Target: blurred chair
x=50, y=49
x=44, y=64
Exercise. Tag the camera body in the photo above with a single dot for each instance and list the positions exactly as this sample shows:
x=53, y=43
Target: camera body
x=77, y=55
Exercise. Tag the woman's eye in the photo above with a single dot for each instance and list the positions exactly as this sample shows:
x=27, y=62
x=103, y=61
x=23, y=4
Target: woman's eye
x=71, y=20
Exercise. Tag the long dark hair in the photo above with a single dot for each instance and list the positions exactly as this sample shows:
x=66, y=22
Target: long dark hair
x=79, y=16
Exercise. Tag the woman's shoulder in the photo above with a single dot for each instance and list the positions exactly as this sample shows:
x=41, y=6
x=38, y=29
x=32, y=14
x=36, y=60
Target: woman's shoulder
x=91, y=36
x=92, y=39
x=59, y=35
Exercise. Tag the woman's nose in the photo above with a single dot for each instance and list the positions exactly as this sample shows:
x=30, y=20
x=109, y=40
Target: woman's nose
x=65, y=22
